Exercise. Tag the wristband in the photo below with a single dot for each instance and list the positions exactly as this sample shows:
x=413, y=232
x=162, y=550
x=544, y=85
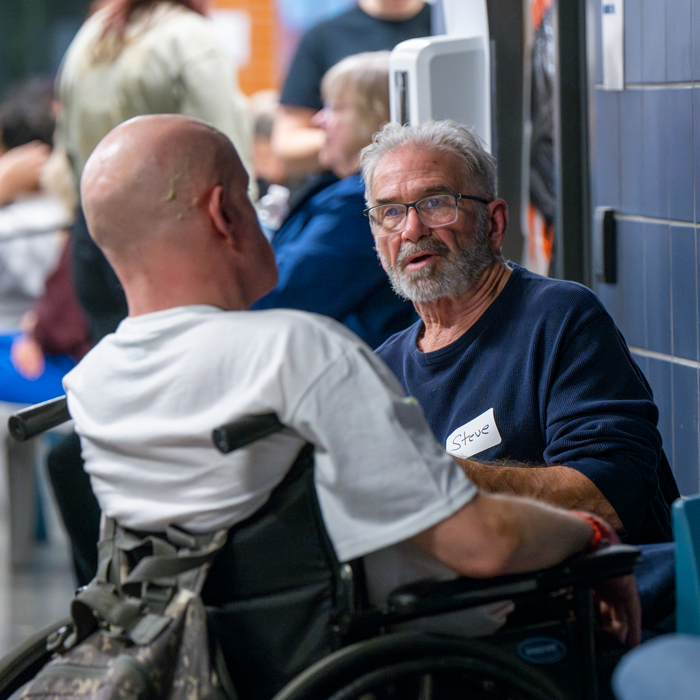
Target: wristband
x=603, y=532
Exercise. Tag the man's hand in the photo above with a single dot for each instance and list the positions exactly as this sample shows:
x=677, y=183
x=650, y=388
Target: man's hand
x=20, y=169
x=619, y=609
x=27, y=357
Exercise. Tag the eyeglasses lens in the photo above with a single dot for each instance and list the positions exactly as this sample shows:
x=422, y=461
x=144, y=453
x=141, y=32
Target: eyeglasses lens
x=436, y=210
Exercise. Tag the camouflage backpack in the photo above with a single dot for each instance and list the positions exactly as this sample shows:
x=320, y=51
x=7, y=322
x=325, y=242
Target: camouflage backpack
x=139, y=628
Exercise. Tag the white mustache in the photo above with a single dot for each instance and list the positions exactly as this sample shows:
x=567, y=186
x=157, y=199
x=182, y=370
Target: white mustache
x=409, y=249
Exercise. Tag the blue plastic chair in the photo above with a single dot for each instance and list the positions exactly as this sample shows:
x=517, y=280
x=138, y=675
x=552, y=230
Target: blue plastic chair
x=668, y=666
x=686, y=528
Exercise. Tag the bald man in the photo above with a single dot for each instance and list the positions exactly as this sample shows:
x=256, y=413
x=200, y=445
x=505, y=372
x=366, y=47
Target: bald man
x=149, y=215
x=165, y=199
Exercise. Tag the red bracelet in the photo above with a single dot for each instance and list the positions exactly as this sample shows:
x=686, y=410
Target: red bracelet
x=603, y=532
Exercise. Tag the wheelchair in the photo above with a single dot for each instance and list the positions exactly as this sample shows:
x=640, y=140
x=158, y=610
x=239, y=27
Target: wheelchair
x=298, y=626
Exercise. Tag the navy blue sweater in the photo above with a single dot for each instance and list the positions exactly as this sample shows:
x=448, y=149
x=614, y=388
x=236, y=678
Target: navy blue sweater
x=547, y=359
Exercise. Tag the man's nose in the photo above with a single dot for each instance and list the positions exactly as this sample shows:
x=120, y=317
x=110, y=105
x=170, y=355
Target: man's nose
x=414, y=228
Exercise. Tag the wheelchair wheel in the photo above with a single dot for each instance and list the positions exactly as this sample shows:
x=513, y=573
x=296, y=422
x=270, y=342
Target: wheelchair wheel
x=26, y=660
x=415, y=666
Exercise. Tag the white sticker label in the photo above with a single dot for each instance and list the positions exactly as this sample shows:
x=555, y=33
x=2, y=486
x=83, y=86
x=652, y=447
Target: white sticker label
x=473, y=437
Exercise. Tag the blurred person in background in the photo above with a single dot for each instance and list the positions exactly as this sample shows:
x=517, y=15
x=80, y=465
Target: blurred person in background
x=135, y=57
x=275, y=186
x=20, y=169
x=45, y=331
x=324, y=248
x=268, y=168
x=52, y=335
x=370, y=25
x=31, y=216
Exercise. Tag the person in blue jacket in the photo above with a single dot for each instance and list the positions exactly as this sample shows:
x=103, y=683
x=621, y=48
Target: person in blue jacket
x=325, y=248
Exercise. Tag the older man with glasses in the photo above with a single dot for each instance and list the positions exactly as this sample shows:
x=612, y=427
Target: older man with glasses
x=525, y=380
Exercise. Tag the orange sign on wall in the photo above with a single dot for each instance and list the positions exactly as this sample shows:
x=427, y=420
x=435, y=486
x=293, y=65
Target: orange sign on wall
x=263, y=69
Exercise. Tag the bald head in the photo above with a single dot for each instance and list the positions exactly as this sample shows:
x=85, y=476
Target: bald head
x=148, y=176
x=165, y=198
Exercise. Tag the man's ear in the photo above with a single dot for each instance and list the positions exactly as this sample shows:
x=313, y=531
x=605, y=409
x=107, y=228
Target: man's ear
x=498, y=221
x=218, y=211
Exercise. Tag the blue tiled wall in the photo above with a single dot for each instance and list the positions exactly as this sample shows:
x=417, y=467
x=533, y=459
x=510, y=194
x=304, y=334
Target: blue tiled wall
x=646, y=166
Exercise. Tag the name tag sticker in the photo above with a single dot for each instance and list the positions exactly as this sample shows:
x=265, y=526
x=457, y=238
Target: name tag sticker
x=473, y=437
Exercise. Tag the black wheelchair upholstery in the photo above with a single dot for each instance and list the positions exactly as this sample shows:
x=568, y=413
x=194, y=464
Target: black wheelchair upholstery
x=278, y=585
x=293, y=622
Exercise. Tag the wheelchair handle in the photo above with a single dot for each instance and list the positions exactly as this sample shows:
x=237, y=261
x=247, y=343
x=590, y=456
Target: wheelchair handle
x=29, y=422
x=34, y=420
x=239, y=433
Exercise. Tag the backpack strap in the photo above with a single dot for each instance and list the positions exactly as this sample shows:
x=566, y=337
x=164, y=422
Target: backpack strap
x=137, y=577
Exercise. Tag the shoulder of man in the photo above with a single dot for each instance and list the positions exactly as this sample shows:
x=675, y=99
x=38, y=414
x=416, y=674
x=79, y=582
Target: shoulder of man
x=561, y=293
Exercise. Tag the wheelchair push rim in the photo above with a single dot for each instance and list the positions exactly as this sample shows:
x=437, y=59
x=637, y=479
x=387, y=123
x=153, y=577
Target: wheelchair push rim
x=417, y=666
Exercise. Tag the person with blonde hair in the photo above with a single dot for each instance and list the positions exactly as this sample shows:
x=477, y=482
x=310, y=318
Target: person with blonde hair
x=324, y=248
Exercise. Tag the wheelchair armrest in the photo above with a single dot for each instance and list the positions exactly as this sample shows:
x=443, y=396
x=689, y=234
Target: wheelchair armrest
x=34, y=420
x=424, y=598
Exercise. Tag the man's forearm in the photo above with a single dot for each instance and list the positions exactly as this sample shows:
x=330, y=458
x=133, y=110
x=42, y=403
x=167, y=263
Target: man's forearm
x=560, y=485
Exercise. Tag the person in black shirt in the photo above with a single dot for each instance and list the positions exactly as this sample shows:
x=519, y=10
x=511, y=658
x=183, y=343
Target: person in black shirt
x=371, y=25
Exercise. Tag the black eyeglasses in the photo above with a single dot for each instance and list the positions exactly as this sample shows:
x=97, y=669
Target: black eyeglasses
x=433, y=210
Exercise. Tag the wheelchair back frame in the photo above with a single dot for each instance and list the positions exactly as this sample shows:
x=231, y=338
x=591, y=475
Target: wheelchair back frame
x=551, y=648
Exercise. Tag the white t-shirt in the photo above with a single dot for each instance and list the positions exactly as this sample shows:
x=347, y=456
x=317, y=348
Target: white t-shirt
x=146, y=399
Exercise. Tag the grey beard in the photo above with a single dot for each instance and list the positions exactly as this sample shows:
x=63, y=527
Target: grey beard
x=458, y=272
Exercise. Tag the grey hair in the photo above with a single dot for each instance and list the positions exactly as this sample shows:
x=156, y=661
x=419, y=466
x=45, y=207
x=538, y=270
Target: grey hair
x=478, y=167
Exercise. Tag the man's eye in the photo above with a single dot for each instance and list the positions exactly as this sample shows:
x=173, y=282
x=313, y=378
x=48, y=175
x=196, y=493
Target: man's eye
x=392, y=212
x=433, y=203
